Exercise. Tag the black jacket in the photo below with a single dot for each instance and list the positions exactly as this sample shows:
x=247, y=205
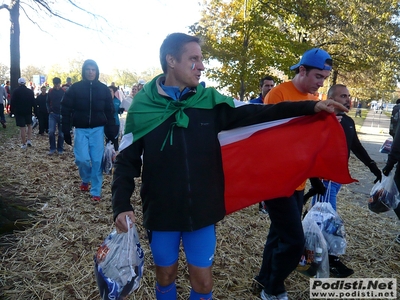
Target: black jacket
x=87, y=104
x=22, y=101
x=183, y=185
x=353, y=143
x=41, y=103
x=53, y=100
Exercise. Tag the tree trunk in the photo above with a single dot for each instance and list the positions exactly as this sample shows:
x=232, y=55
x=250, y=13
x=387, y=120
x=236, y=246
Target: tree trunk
x=15, y=55
x=334, y=76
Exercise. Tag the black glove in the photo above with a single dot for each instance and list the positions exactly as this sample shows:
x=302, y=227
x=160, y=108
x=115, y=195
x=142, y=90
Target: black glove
x=375, y=170
x=387, y=169
x=121, y=110
x=317, y=186
x=111, y=132
x=67, y=137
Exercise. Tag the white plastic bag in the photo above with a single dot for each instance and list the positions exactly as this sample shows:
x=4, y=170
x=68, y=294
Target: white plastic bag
x=314, y=261
x=384, y=195
x=108, y=158
x=119, y=264
x=331, y=225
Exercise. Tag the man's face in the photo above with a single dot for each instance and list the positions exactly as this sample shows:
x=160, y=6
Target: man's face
x=266, y=87
x=312, y=81
x=342, y=95
x=57, y=86
x=187, y=71
x=43, y=91
x=90, y=72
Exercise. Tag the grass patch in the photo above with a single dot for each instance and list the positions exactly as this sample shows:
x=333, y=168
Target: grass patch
x=11, y=131
x=358, y=121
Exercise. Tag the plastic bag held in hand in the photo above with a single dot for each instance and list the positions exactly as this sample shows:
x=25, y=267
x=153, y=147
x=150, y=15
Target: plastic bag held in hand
x=384, y=195
x=108, y=158
x=119, y=263
x=331, y=225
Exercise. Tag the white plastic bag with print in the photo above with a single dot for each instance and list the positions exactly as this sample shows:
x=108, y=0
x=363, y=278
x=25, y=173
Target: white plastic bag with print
x=384, y=195
x=330, y=223
x=108, y=158
x=314, y=262
x=119, y=264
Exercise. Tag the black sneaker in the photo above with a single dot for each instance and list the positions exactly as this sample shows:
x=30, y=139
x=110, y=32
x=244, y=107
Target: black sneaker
x=337, y=268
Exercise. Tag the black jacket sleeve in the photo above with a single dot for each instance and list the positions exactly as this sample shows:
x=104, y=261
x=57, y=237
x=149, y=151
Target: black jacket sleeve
x=127, y=166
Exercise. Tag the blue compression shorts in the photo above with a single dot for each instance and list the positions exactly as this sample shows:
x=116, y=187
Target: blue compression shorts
x=199, y=246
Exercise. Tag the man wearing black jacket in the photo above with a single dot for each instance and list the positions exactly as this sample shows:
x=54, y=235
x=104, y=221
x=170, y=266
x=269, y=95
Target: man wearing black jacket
x=340, y=93
x=23, y=106
x=171, y=141
x=87, y=105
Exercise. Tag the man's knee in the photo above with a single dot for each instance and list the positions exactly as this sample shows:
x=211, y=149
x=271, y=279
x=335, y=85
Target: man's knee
x=166, y=275
x=201, y=279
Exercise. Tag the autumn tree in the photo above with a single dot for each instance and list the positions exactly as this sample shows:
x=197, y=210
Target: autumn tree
x=32, y=9
x=249, y=38
x=30, y=71
x=237, y=36
x=4, y=73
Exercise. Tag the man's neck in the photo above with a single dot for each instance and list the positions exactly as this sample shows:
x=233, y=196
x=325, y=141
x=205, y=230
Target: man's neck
x=297, y=84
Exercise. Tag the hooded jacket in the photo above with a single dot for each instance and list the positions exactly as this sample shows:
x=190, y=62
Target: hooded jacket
x=87, y=104
x=183, y=182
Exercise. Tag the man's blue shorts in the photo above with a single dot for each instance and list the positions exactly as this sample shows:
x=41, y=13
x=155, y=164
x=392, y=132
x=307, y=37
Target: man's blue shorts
x=199, y=246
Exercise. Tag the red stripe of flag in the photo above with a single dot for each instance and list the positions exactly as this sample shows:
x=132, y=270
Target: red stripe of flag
x=273, y=162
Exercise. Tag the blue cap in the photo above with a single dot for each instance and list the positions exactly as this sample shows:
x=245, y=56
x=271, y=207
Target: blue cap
x=315, y=58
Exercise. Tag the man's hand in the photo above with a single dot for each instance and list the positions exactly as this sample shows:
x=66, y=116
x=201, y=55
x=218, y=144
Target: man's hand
x=67, y=138
x=318, y=186
x=375, y=170
x=329, y=106
x=120, y=221
x=386, y=170
x=111, y=132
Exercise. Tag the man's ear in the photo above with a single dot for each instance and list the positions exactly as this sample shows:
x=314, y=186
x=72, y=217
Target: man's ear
x=170, y=61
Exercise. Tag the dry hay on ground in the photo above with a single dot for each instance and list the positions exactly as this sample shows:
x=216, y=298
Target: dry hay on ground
x=54, y=258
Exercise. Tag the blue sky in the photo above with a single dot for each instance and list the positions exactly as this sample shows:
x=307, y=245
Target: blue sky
x=131, y=40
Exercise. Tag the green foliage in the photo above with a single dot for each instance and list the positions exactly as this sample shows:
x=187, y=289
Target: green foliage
x=246, y=39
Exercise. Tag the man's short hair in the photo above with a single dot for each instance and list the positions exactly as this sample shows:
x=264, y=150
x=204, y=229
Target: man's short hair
x=398, y=101
x=56, y=80
x=173, y=45
x=265, y=78
x=333, y=88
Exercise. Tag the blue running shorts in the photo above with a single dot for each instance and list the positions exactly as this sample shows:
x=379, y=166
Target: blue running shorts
x=199, y=246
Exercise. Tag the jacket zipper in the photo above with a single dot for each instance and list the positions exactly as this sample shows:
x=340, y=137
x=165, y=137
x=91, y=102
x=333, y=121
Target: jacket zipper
x=188, y=178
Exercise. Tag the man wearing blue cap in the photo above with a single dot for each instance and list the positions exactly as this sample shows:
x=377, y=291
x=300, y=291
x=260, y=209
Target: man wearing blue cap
x=285, y=241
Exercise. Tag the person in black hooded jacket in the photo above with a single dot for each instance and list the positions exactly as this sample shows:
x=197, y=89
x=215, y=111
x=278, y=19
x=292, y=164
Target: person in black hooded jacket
x=88, y=106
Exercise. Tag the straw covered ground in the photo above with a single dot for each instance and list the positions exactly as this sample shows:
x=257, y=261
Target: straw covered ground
x=53, y=259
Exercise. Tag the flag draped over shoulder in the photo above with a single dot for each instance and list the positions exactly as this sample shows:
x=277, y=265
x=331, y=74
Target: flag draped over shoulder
x=149, y=108
x=270, y=160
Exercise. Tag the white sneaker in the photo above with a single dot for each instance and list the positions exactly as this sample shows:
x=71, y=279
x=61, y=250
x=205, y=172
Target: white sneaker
x=283, y=296
x=29, y=143
x=23, y=146
x=265, y=296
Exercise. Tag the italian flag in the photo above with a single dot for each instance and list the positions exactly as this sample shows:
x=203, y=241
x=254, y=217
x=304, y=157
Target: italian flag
x=270, y=160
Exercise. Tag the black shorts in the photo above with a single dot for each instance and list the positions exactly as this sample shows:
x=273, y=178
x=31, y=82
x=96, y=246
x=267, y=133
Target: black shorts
x=23, y=120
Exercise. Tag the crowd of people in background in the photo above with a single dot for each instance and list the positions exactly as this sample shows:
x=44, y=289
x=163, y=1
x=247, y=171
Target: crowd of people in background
x=67, y=113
